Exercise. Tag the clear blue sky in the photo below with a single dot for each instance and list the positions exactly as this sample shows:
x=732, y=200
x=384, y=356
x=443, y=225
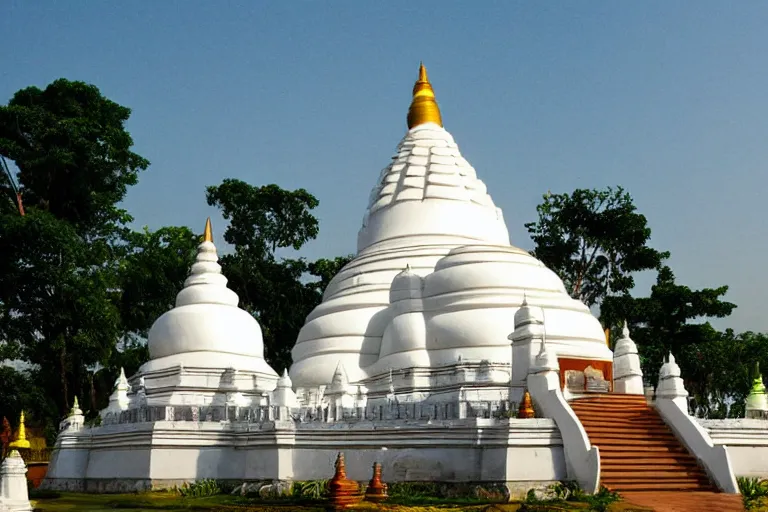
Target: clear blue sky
x=667, y=98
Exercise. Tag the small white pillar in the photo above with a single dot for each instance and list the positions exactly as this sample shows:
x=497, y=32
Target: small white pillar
x=671, y=386
x=13, y=484
x=118, y=400
x=627, y=374
x=527, y=340
x=74, y=420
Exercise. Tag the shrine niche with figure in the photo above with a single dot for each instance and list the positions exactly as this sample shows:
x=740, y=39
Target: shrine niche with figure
x=585, y=375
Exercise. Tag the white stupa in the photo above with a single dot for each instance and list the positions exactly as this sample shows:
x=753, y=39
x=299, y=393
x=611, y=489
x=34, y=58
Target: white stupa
x=206, y=344
x=435, y=278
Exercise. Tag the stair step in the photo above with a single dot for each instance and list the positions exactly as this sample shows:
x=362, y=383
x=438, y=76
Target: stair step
x=647, y=442
x=618, y=451
x=660, y=473
x=629, y=434
x=655, y=465
x=623, y=424
x=653, y=486
x=602, y=407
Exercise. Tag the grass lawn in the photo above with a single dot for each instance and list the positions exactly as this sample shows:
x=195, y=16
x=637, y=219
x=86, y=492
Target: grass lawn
x=146, y=502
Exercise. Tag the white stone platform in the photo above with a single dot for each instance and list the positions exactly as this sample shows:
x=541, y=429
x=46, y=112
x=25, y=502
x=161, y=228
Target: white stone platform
x=162, y=454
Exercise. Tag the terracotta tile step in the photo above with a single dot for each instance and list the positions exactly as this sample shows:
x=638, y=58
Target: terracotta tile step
x=637, y=434
x=649, y=442
x=623, y=422
x=660, y=473
x=611, y=415
x=606, y=407
x=652, y=485
x=609, y=451
x=607, y=403
x=592, y=432
x=647, y=464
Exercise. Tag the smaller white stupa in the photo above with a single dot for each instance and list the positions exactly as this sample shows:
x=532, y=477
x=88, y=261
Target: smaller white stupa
x=206, y=350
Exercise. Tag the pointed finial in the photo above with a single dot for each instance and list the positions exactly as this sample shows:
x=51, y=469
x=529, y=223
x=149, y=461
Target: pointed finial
x=625, y=330
x=21, y=436
x=76, y=405
x=671, y=359
x=423, y=107
x=208, y=233
x=285, y=372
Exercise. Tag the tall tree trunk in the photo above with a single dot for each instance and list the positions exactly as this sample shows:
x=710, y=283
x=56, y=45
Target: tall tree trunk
x=63, y=375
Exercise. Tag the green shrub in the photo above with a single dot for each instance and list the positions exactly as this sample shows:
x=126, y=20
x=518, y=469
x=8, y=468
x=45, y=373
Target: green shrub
x=200, y=489
x=310, y=489
x=600, y=501
x=753, y=491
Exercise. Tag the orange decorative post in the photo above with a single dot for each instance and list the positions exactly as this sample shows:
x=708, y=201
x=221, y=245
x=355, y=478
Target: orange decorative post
x=377, y=490
x=526, y=407
x=343, y=493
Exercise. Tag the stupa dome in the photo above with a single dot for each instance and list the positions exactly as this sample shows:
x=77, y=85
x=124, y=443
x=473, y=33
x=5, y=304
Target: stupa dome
x=464, y=283
x=206, y=328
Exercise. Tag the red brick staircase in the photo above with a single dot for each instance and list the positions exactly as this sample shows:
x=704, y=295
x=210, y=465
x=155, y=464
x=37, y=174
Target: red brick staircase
x=638, y=451
x=641, y=458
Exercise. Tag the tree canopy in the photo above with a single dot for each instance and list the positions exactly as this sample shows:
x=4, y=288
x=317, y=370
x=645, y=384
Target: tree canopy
x=79, y=290
x=594, y=240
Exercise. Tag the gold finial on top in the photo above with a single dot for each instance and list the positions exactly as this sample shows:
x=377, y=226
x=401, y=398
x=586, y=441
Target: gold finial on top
x=21, y=436
x=208, y=233
x=423, y=107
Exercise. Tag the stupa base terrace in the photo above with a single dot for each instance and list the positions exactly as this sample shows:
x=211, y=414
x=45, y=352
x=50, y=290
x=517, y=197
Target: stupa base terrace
x=453, y=442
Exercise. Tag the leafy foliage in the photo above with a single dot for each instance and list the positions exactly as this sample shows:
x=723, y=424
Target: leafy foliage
x=754, y=491
x=594, y=240
x=200, y=489
x=264, y=219
x=152, y=272
x=662, y=322
x=73, y=153
x=310, y=489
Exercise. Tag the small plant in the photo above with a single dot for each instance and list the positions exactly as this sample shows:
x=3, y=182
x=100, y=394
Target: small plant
x=311, y=489
x=200, y=489
x=600, y=501
x=753, y=491
x=414, y=490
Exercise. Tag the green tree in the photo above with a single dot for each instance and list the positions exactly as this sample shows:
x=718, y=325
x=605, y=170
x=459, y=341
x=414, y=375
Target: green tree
x=594, y=240
x=264, y=219
x=663, y=321
x=57, y=309
x=59, y=268
x=325, y=269
x=152, y=273
x=261, y=221
x=73, y=154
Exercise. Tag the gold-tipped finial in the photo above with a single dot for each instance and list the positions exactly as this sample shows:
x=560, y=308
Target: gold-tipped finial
x=208, y=233
x=20, y=443
x=423, y=107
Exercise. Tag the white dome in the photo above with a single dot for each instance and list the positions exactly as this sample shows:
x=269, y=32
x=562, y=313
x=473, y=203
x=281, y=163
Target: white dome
x=206, y=328
x=465, y=283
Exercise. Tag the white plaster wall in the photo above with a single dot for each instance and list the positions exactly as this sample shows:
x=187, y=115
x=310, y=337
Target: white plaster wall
x=746, y=441
x=451, y=451
x=120, y=463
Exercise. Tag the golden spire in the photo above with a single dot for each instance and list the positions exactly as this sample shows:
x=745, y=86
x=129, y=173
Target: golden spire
x=21, y=436
x=208, y=233
x=423, y=107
